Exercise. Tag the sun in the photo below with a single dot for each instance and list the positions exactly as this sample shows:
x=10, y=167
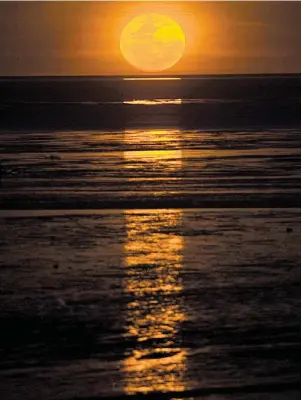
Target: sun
x=152, y=42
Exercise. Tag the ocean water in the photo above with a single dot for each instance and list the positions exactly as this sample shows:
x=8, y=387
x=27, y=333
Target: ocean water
x=150, y=238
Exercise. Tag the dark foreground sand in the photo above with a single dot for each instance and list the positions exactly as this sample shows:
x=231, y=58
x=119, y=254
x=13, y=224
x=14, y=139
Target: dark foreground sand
x=199, y=303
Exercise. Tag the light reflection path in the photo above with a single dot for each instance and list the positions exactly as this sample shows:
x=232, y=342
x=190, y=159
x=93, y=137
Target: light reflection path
x=153, y=259
x=155, y=360
x=154, y=102
x=156, y=78
x=153, y=153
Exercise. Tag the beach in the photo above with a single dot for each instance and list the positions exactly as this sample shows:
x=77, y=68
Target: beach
x=150, y=242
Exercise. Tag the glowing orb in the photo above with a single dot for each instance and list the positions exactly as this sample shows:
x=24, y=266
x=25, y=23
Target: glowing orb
x=152, y=42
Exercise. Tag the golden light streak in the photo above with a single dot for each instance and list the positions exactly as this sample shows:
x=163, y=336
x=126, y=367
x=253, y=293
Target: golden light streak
x=153, y=259
x=152, y=262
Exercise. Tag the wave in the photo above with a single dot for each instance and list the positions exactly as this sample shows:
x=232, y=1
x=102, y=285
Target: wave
x=190, y=113
x=134, y=102
x=269, y=387
x=96, y=103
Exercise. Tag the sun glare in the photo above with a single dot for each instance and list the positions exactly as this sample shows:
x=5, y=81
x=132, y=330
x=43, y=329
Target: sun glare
x=152, y=42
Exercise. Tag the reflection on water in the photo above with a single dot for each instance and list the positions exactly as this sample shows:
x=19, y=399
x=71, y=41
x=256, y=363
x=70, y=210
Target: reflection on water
x=156, y=139
x=162, y=78
x=157, y=159
x=153, y=153
x=153, y=102
x=153, y=260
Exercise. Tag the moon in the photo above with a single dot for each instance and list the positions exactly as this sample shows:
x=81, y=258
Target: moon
x=152, y=42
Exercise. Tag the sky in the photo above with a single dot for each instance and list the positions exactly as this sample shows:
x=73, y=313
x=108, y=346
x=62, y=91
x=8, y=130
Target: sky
x=82, y=38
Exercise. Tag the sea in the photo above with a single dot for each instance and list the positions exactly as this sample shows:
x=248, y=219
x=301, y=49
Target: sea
x=150, y=238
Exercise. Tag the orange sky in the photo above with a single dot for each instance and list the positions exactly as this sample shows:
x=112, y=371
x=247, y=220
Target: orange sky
x=82, y=38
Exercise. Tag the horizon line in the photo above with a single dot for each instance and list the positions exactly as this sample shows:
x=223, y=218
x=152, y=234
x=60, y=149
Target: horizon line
x=150, y=77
